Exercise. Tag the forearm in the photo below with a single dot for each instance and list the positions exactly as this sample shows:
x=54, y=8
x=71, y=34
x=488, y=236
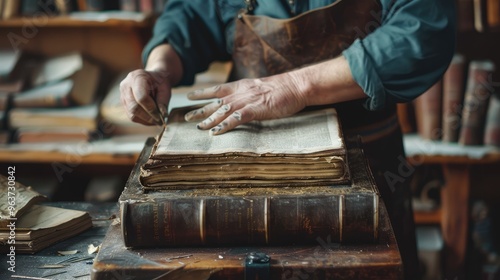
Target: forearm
x=164, y=59
x=328, y=82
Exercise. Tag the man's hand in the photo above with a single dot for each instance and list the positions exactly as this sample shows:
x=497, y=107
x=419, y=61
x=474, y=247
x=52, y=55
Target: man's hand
x=247, y=100
x=145, y=95
x=276, y=96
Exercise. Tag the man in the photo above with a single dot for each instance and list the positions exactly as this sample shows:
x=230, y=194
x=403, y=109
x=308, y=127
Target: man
x=361, y=56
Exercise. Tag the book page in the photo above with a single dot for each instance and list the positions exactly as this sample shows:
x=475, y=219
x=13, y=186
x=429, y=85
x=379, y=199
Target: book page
x=24, y=198
x=43, y=217
x=304, y=133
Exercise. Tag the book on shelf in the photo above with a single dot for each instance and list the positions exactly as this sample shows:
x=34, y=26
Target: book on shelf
x=113, y=112
x=11, y=80
x=253, y=215
x=428, y=112
x=84, y=74
x=492, y=125
x=465, y=15
x=57, y=94
x=77, y=117
x=477, y=95
x=10, y=9
x=36, y=226
x=65, y=7
x=480, y=16
x=453, y=94
x=493, y=11
x=51, y=134
x=305, y=149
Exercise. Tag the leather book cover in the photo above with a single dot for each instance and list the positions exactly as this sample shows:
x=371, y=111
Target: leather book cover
x=428, y=112
x=492, y=129
x=477, y=95
x=251, y=215
x=453, y=94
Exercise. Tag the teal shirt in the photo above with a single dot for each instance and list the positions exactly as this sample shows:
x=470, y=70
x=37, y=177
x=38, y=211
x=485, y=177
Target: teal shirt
x=403, y=57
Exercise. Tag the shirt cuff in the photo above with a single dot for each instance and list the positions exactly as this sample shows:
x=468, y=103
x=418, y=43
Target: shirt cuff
x=365, y=75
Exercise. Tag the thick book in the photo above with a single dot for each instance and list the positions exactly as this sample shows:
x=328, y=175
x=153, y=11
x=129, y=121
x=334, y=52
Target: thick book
x=35, y=226
x=305, y=149
x=42, y=226
x=77, y=117
x=477, y=95
x=492, y=126
x=453, y=94
x=83, y=72
x=428, y=112
x=251, y=215
x=493, y=11
x=57, y=94
x=51, y=134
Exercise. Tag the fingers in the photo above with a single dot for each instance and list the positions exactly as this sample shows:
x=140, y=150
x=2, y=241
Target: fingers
x=143, y=91
x=140, y=94
x=233, y=120
x=204, y=112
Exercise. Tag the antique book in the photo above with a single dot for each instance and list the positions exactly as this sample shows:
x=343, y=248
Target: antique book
x=453, y=94
x=84, y=74
x=42, y=226
x=477, y=95
x=324, y=259
x=306, y=149
x=492, y=126
x=13, y=207
x=465, y=15
x=428, y=112
x=480, y=16
x=51, y=134
x=57, y=94
x=251, y=215
x=493, y=11
x=78, y=116
x=35, y=226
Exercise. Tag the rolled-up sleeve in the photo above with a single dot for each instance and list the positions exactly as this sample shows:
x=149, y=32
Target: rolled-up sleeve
x=407, y=54
x=195, y=30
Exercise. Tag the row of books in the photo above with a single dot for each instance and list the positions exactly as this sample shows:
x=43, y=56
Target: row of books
x=54, y=99
x=463, y=106
x=18, y=8
x=478, y=15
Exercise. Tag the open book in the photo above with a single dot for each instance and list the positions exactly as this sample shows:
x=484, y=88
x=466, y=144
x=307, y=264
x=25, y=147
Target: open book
x=30, y=228
x=306, y=149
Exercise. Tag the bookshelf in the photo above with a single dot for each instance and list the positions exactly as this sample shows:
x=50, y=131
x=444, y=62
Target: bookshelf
x=112, y=39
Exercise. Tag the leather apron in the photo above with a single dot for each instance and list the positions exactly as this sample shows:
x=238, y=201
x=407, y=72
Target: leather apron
x=265, y=46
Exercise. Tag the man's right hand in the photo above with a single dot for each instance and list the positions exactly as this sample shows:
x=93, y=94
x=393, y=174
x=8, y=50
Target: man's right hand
x=145, y=95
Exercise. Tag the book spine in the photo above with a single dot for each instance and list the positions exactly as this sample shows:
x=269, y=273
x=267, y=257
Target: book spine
x=492, y=129
x=221, y=221
x=129, y=5
x=477, y=96
x=146, y=6
x=453, y=93
x=428, y=112
x=493, y=10
x=480, y=17
x=465, y=15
